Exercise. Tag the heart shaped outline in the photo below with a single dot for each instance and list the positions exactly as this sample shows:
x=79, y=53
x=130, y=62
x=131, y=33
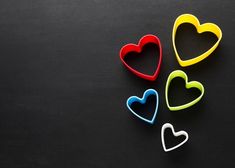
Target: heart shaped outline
x=188, y=85
x=142, y=100
x=149, y=38
x=176, y=134
x=201, y=28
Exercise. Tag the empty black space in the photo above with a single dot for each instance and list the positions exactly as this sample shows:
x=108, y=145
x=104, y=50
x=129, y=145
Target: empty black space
x=171, y=140
x=190, y=43
x=178, y=94
x=63, y=88
x=147, y=109
x=145, y=62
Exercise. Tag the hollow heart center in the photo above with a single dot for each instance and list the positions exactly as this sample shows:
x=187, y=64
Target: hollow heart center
x=171, y=140
x=147, y=109
x=146, y=60
x=190, y=44
x=178, y=94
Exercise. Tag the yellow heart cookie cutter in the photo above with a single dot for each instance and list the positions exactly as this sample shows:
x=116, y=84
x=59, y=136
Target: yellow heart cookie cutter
x=206, y=27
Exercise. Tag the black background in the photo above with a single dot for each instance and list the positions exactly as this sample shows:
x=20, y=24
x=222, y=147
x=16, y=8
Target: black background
x=63, y=88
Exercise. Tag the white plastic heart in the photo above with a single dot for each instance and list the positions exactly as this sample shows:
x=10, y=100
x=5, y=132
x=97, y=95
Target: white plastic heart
x=176, y=134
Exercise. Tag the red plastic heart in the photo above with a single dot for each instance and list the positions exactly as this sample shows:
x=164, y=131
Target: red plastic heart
x=138, y=48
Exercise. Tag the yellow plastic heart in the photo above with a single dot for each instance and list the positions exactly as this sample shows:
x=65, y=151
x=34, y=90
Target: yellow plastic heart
x=206, y=27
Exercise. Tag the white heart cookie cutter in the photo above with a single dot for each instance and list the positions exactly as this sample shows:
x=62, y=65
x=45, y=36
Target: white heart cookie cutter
x=176, y=134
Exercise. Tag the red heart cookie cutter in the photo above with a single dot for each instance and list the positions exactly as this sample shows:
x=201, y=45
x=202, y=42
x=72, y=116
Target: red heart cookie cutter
x=138, y=48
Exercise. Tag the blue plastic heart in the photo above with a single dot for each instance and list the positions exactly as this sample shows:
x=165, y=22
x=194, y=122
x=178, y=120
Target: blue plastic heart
x=142, y=100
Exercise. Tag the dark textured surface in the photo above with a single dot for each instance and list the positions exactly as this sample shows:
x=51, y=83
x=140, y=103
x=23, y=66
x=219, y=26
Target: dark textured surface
x=63, y=88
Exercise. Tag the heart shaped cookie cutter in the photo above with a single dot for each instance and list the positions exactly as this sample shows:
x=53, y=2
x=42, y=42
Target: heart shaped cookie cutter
x=206, y=27
x=142, y=100
x=176, y=134
x=188, y=85
x=138, y=48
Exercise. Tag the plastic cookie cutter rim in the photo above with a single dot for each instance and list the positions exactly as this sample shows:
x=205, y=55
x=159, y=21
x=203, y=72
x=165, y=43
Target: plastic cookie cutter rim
x=206, y=27
x=176, y=134
x=188, y=85
x=142, y=100
x=149, y=38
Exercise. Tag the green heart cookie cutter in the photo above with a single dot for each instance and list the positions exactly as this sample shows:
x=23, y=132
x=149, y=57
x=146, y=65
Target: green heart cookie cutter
x=188, y=85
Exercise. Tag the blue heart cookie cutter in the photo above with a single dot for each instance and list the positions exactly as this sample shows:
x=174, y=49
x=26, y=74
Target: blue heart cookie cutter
x=142, y=100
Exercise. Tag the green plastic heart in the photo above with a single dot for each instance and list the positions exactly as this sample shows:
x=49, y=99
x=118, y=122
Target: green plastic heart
x=188, y=85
